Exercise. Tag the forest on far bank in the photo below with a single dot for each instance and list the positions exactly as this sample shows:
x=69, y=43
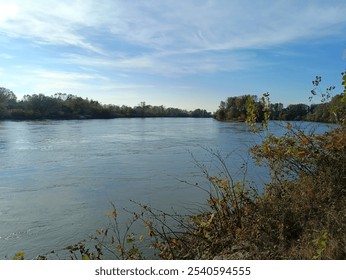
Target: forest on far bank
x=235, y=109
x=62, y=106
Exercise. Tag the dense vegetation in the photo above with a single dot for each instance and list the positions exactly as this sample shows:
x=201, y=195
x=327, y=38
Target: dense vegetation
x=235, y=108
x=67, y=106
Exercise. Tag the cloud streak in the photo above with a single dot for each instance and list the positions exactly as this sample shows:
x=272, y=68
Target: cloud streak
x=172, y=25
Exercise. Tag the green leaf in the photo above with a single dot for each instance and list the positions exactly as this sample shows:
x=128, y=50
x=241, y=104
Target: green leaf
x=85, y=258
x=19, y=256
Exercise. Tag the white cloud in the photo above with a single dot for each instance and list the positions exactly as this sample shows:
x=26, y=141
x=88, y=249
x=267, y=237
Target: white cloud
x=172, y=25
x=49, y=22
x=165, y=63
x=66, y=76
x=224, y=25
x=7, y=11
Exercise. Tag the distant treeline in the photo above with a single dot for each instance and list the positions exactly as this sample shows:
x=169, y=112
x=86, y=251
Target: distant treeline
x=62, y=106
x=235, y=109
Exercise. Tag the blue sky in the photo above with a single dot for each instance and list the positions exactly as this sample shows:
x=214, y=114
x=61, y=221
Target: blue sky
x=188, y=54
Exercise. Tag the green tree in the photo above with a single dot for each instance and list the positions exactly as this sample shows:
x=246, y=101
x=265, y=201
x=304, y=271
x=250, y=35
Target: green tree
x=8, y=101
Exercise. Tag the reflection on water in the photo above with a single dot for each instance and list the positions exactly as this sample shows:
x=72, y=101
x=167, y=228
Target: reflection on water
x=58, y=178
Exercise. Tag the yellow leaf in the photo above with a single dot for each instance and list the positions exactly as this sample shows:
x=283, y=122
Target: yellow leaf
x=85, y=258
x=19, y=256
x=305, y=140
x=235, y=204
x=112, y=214
x=223, y=183
x=213, y=178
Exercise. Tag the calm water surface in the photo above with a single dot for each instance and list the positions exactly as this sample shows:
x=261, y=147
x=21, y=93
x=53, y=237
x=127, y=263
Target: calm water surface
x=59, y=178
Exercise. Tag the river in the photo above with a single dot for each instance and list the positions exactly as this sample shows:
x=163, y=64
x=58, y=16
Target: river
x=59, y=178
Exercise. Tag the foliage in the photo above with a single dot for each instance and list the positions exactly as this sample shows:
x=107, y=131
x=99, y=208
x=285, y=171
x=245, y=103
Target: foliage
x=119, y=244
x=7, y=102
x=235, y=108
x=251, y=109
x=306, y=195
x=307, y=189
x=81, y=251
x=19, y=256
x=67, y=106
x=334, y=105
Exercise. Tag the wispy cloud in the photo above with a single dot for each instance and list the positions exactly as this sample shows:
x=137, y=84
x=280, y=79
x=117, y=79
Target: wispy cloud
x=172, y=25
x=48, y=22
x=166, y=63
x=224, y=25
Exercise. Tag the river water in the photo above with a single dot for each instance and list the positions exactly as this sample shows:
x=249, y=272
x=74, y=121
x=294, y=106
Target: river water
x=59, y=178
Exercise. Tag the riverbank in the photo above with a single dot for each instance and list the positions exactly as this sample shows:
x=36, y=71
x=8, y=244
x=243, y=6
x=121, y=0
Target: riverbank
x=301, y=218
